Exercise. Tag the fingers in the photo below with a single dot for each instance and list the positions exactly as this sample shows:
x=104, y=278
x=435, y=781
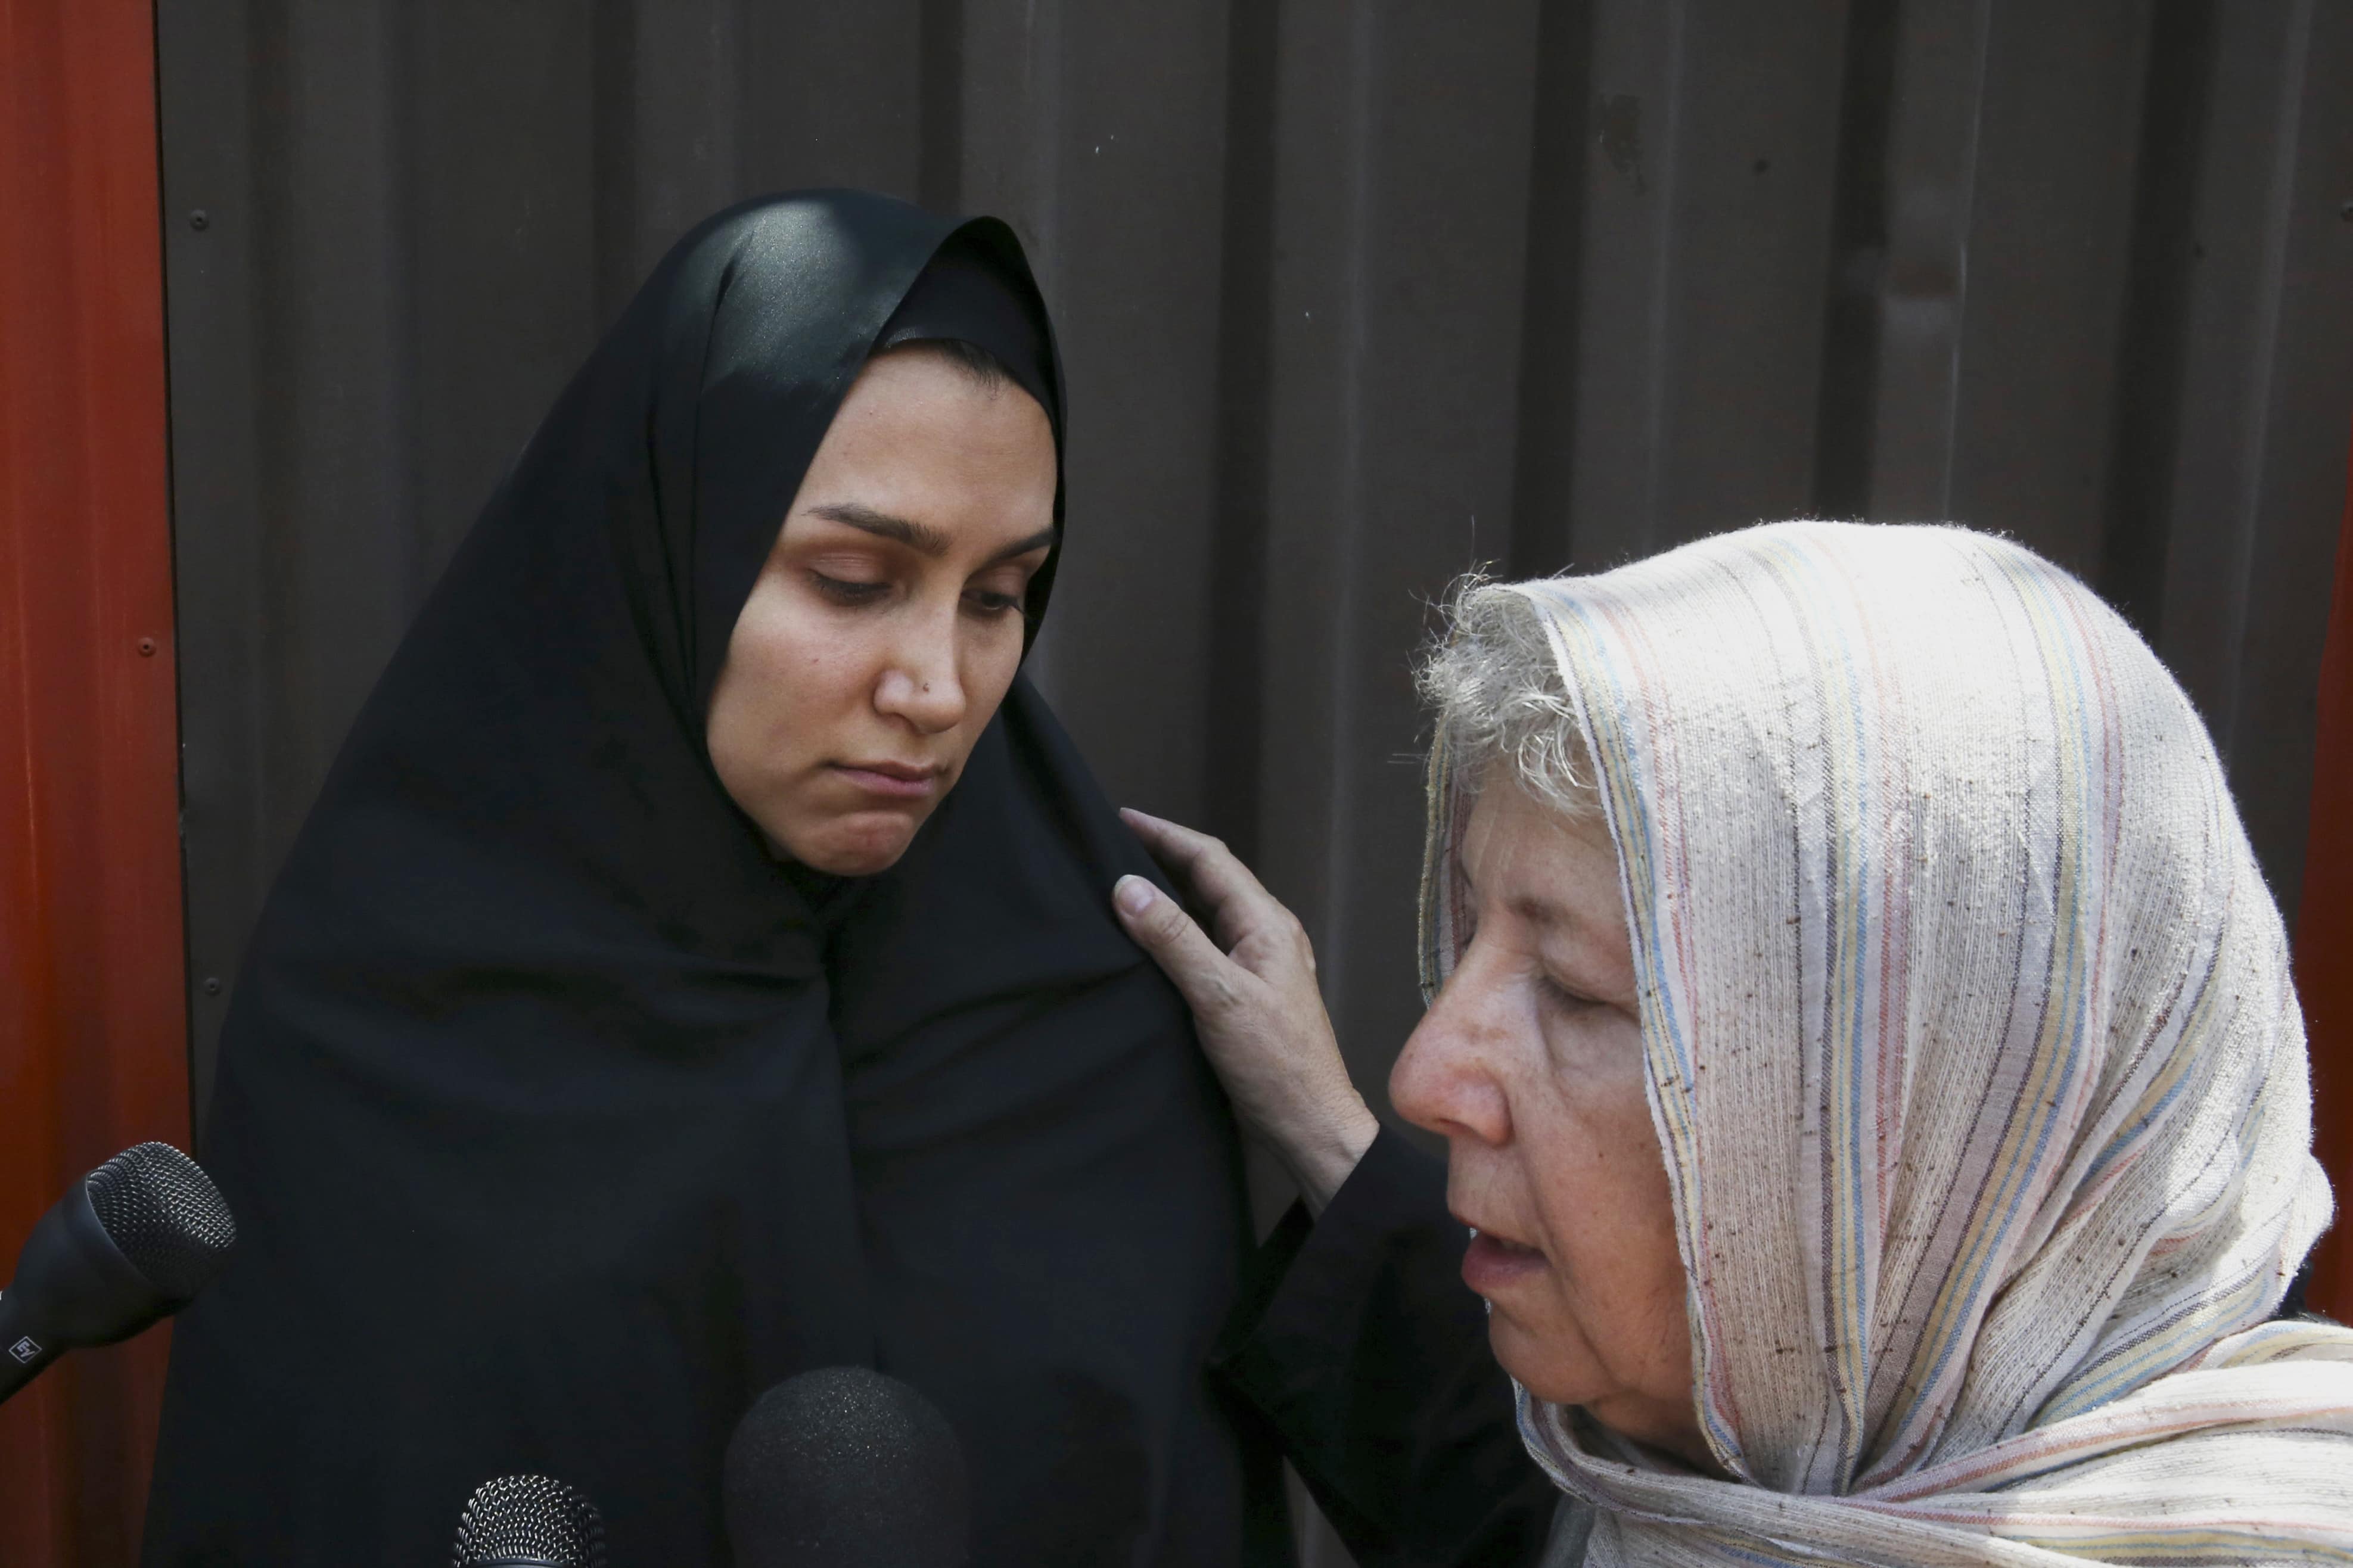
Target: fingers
x=1238, y=901
x=1207, y=862
x=1160, y=926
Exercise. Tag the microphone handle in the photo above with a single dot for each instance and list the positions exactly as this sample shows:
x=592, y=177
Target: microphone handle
x=24, y=1354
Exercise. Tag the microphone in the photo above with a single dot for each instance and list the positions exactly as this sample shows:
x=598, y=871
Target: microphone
x=845, y=1467
x=131, y=1243
x=528, y=1521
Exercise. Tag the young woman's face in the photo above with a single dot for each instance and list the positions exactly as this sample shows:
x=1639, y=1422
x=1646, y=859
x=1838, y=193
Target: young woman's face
x=887, y=623
x=1530, y=1063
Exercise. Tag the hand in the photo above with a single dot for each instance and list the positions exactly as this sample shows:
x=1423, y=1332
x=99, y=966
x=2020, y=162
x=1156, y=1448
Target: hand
x=1255, y=1004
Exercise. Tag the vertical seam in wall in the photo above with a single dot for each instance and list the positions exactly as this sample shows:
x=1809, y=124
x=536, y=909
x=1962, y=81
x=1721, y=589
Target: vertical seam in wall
x=2278, y=211
x=736, y=128
x=1663, y=218
x=1966, y=215
x=613, y=155
x=939, y=131
x=1854, y=284
x=1045, y=62
x=1241, y=545
x=1339, y=864
x=164, y=231
x=1037, y=157
x=401, y=132
x=1539, y=533
x=270, y=280
x=2146, y=365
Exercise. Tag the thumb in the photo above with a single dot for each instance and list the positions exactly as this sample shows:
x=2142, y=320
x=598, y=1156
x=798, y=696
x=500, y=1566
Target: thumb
x=1184, y=952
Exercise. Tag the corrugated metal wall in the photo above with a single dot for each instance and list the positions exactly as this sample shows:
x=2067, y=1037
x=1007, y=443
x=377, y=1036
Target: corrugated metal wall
x=1354, y=296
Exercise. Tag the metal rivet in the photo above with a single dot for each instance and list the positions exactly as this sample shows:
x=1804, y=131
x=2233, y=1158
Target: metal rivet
x=146, y=648
x=200, y=220
x=212, y=985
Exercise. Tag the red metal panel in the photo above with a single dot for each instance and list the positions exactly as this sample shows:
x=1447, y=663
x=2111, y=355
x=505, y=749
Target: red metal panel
x=93, y=999
x=2323, y=935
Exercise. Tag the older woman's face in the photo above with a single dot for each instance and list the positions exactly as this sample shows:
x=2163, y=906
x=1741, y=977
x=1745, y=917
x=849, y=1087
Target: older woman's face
x=887, y=623
x=1530, y=1063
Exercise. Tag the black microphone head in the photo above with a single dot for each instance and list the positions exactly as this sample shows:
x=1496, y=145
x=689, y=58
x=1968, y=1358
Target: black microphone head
x=528, y=1521
x=164, y=1213
x=845, y=1467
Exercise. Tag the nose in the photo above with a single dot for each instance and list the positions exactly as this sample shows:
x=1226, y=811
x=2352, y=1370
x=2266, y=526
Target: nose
x=921, y=683
x=1444, y=1079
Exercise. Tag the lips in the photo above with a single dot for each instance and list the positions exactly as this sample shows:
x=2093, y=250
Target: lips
x=1493, y=1264
x=893, y=780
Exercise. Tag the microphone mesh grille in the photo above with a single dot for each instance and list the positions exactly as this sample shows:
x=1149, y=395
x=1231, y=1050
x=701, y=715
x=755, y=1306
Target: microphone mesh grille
x=165, y=1215
x=534, y=1519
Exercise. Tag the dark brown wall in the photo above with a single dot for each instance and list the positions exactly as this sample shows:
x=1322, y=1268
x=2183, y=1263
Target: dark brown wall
x=1354, y=296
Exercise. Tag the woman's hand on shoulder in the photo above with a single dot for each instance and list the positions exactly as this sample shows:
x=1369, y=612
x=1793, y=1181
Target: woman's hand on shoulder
x=1250, y=982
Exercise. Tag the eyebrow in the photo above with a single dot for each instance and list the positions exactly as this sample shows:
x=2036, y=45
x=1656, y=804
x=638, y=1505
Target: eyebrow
x=1539, y=911
x=1532, y=907
x=922, y=538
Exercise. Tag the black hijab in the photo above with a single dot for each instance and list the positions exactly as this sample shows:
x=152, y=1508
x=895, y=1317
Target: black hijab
x=561, y=1118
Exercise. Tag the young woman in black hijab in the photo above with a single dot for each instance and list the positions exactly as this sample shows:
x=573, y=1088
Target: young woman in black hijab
x=698, y=969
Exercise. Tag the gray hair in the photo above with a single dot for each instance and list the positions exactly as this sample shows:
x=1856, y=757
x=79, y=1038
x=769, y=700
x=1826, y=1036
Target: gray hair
x=1498, y=696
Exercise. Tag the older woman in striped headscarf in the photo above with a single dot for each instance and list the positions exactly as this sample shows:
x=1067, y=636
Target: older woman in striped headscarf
x=1865, y=1040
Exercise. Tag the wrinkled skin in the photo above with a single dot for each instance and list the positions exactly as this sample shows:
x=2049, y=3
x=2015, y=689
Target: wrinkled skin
x=1530, y=1064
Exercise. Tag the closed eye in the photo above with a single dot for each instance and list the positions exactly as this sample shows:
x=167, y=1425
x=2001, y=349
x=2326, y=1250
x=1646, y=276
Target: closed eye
x=1565, y=997
x=991, y=605
x=842, y=592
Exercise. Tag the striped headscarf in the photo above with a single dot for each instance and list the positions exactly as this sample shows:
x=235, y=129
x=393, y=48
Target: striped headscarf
x=1974, y=1062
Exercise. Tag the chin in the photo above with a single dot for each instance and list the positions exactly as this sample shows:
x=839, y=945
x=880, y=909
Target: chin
x=1570, y=1376
x=1537, y=1365
x=851, y=865
x=853, y=848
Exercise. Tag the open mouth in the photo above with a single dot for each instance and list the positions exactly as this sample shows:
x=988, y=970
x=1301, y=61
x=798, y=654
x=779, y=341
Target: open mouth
x=1493, y=1264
